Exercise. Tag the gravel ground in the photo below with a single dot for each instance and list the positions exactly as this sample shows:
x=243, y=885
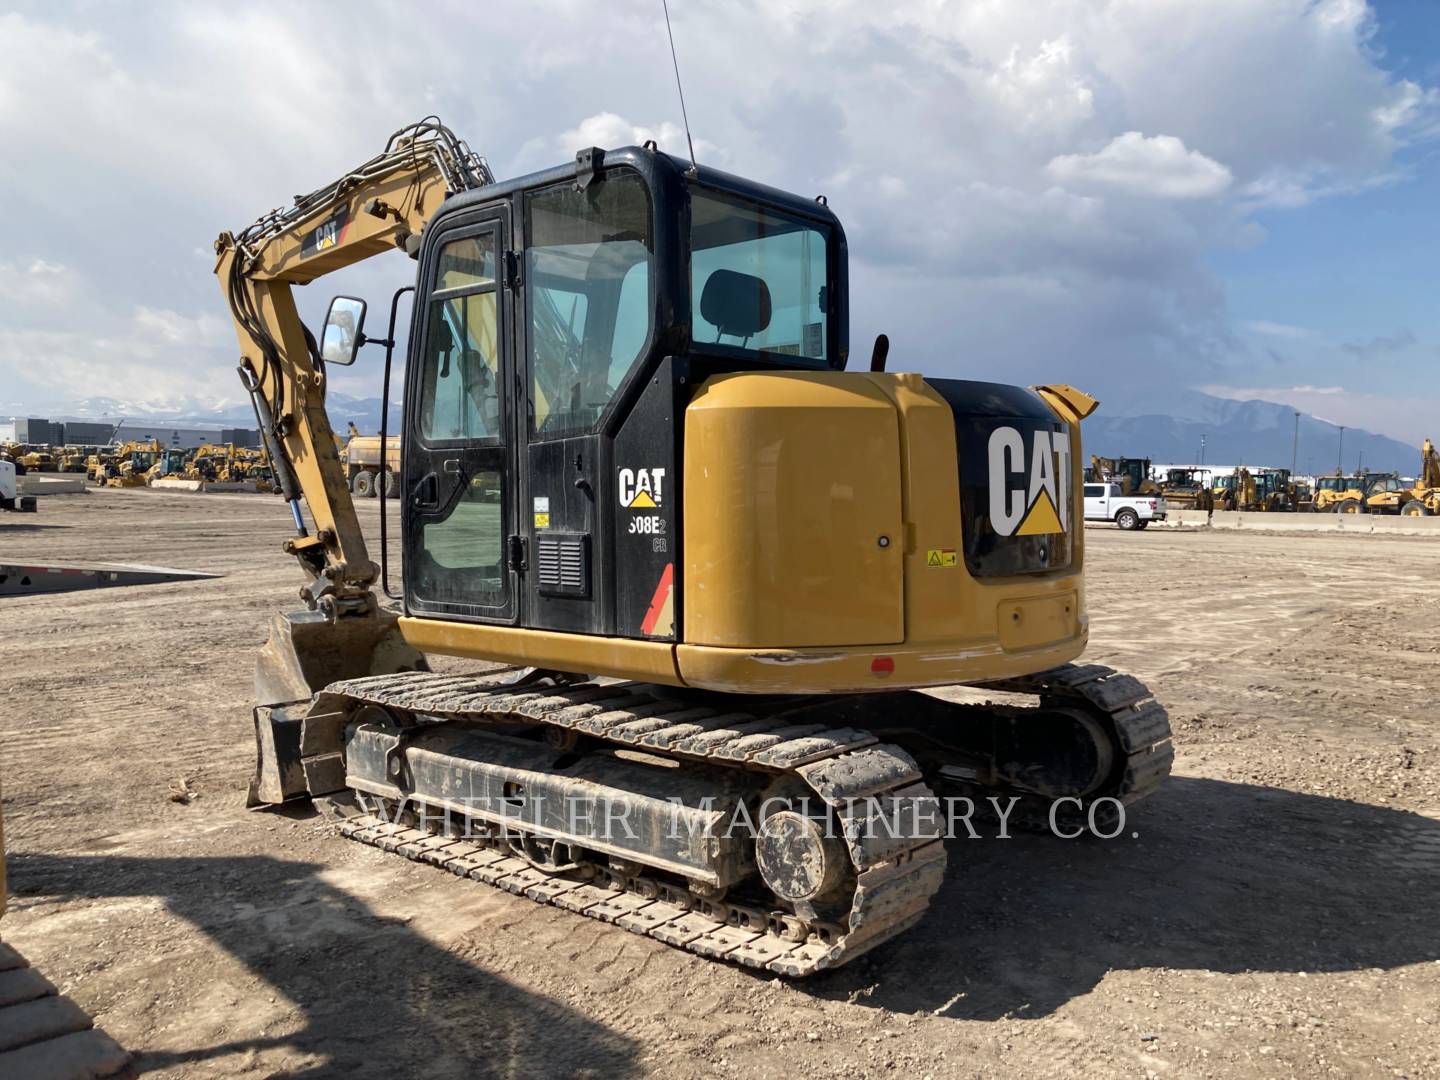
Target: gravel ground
x=1271, y=913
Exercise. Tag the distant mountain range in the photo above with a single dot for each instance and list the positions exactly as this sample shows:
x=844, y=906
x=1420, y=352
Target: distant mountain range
x=189, y=412
x=1166, y=427
x=1170, y=429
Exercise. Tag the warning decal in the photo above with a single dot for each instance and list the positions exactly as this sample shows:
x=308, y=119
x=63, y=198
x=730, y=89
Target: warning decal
x=660, y=619
x=940, y=558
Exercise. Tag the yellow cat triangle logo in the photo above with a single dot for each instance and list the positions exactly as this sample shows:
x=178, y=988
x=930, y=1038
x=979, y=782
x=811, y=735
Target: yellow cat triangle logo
x=1042, y=517
x=643, y=501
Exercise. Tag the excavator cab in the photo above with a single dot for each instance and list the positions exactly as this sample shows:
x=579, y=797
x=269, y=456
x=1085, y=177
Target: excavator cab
x=562, y=325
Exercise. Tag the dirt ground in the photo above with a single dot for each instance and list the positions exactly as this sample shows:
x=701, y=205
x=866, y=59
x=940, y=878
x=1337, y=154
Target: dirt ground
x=1273, y=914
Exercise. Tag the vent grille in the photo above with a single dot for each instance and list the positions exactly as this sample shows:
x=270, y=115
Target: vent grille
x=562, y=563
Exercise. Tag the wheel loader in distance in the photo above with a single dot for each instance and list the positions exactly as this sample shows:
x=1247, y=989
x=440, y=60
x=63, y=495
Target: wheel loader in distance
x=635, y=468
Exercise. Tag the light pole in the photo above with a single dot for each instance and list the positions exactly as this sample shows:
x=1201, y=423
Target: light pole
x=1295, y=445
x=1340, y=454
x=1202, y=449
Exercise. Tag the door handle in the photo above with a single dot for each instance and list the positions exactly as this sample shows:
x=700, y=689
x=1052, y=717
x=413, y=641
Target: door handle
x=426, y=493
x=452, y=466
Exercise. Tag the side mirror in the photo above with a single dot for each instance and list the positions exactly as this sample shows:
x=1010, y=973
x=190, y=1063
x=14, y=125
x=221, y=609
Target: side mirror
x=344, y=331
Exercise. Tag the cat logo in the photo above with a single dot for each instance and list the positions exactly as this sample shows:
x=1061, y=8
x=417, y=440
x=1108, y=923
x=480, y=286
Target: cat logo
x=327, y=234
x=641, y=489
x=1029, y=498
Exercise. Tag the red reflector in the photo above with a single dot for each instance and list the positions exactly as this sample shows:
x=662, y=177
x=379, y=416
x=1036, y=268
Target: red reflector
x=882, y=665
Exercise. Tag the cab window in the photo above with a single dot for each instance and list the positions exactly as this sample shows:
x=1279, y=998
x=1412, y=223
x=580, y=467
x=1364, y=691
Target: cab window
x=587, y=289
x=460, y=362
x=758, y=279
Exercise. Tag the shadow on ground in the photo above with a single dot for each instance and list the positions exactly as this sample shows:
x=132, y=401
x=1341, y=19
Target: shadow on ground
x=1223, y=877
x=378, y=999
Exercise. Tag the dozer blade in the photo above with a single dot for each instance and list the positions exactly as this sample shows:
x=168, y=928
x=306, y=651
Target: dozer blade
x=303, y=654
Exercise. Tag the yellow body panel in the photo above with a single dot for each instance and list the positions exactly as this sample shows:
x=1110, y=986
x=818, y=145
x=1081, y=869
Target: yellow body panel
x=956, y=628
x=792, y=534
x=624, y=658
x=790, y=480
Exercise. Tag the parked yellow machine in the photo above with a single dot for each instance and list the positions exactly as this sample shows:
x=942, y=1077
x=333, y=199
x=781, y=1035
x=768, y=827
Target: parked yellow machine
x=131, y=463
x=1188, y=489
x=39, y=461
x=1132, y=474
x=1420, y=499
x=1255, y=491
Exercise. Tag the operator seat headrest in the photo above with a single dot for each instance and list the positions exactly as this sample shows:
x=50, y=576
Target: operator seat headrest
x=737, y=304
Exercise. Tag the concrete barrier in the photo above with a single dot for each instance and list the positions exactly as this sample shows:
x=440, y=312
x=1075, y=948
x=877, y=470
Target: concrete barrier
x=1187, y=519
x=1225, y=519
x=175, y=483
x=1399, y=525
x=31, y=484
x=1366, y=524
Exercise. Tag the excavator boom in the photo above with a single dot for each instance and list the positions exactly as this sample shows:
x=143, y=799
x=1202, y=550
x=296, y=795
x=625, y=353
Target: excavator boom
x=381, y=206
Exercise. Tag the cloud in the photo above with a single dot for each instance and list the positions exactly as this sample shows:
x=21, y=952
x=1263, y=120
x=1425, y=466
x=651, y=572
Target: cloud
x=1280, y=330
x=1272, y=393
x=1381, y=346
x=1158, y=166
x=36, y=282
x=1033, y=190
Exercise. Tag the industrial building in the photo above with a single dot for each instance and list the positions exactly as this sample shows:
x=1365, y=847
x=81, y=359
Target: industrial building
x=39, y=431
x=85, y=432
x=171, y=434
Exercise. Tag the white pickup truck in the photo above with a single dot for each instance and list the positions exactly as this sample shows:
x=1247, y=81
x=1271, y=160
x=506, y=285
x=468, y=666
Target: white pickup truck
x=10, y=497
x=1103, y=502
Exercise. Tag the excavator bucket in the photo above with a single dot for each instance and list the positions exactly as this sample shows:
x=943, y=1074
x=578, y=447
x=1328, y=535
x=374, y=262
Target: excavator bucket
x=304, y=653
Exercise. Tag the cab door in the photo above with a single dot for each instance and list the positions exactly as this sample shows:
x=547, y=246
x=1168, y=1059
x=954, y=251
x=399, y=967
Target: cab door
x=459, y=472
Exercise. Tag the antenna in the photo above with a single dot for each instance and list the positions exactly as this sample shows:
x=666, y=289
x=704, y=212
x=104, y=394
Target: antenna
x=694, y=166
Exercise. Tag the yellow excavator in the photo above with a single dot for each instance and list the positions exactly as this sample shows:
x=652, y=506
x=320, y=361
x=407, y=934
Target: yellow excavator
x=721, y=570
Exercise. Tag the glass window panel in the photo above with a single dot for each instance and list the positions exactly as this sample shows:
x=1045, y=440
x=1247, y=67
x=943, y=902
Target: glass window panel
x=462, y=557
x=467, y=262
x=766, y=272
x=460, y=377
x=589, y=313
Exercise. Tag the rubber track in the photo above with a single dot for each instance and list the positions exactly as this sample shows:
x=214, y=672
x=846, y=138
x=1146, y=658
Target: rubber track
x=895, y=877
x=1140, y=724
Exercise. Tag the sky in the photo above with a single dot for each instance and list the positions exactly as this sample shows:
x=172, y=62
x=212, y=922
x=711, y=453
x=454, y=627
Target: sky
x=1136, y=197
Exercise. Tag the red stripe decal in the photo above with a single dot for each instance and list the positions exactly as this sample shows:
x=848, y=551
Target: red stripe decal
x=657, y=602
